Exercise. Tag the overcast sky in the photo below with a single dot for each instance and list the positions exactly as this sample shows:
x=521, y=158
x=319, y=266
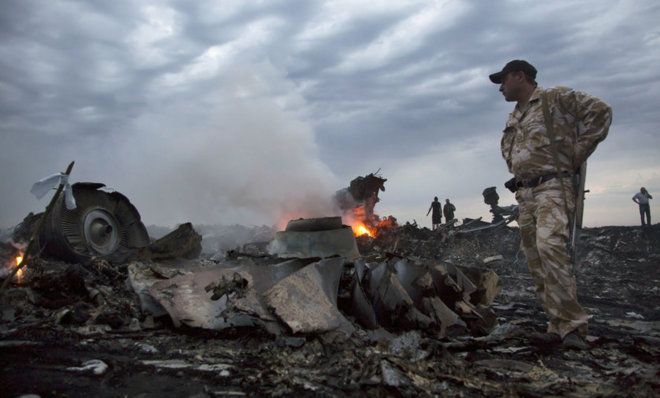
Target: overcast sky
x=253, y=111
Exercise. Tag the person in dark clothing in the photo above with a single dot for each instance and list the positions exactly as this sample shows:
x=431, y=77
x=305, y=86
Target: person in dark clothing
x=642, y=199
x=449, y=210
x=436, y=216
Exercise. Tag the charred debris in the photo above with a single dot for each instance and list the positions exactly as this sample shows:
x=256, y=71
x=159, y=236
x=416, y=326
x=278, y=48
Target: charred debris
x=102, y=308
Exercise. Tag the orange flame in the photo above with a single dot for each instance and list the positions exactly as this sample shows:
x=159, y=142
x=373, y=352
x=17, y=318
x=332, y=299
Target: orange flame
x=356, y=219
x=20, y=272
x=360, y=229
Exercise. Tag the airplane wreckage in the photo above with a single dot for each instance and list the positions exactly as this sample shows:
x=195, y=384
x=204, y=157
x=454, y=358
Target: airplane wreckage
x=320, y=308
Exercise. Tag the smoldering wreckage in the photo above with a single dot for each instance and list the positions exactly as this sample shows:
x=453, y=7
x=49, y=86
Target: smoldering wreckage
x=373, y=308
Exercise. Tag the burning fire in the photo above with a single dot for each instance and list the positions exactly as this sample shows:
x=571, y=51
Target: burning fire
x=20, y=272
x=356, y=220
x=360, y=229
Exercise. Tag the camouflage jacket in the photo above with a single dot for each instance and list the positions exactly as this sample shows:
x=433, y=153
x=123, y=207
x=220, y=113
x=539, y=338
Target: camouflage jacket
x=580, y=122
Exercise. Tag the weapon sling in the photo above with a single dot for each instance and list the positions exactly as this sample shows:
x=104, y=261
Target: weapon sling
x=549, y=128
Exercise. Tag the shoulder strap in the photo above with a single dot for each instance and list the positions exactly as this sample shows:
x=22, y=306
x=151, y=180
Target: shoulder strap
x=549, y=129
x=513, y=141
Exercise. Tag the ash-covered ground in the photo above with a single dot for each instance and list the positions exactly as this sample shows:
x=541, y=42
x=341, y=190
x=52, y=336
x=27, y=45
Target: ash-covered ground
x=76, y=330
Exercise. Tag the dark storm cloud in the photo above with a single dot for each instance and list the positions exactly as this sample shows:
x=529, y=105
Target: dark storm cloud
x=226, y=98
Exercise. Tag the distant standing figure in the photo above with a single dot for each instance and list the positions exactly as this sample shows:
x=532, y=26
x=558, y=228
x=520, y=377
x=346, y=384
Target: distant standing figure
x=448, y=210
x=436, y=216
x=642, y=199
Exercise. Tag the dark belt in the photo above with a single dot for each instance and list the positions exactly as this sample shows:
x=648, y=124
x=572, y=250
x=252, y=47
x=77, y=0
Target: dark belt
x=535, y=182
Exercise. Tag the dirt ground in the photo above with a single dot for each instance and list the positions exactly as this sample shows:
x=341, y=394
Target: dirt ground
x=47, y=338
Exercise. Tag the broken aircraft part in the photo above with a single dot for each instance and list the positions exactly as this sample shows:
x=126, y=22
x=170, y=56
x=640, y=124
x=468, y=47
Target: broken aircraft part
x=183, y=242
x=304, y=238
x=360, y=304
x=359, y=199
x=364, y=187
x=297, y=296
x=491, y=198
x=306, y=301
x=399, y=295
x=314, y=224
x=293, y=295
x=104, y=225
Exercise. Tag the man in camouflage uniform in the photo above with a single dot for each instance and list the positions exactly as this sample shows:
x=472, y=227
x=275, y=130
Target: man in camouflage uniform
x=545, y=191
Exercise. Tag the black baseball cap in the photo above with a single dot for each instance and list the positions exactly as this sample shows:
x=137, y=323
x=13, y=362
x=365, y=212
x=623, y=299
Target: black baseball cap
x=516, y=65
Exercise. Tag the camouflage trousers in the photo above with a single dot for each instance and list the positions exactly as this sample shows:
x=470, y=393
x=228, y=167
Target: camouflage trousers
x=544, y=233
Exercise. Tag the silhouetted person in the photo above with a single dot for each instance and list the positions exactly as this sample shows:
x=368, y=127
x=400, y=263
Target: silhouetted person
x=448, y=210
x=436, y=216
x=642, y=199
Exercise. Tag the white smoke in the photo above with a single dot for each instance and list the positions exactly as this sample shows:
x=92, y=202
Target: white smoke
x=239, y=153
